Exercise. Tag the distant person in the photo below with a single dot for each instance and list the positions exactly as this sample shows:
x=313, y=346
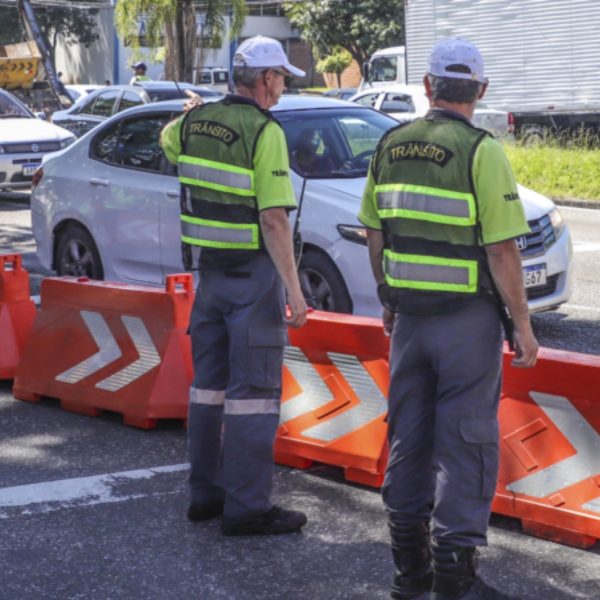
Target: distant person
x=442, y=212
x=139, y=73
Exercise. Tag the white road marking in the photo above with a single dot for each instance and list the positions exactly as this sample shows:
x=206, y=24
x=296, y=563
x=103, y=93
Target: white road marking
x=582, y=307
x=81, y=491
x=586, y=247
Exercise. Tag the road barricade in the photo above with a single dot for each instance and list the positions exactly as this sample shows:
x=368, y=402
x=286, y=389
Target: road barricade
x=550, y=447
x=333, y=409
x=107, y=346
x=17, y=312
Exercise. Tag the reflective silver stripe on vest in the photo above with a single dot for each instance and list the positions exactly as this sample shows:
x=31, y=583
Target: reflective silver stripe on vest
x=252, y=406
x=208, y=397
x=404, y=200
x=428, y=273
x=217, y=234
x=212, y=175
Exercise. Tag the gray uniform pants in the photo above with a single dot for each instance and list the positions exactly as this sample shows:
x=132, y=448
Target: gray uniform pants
x=443, y=427
x=238, y=335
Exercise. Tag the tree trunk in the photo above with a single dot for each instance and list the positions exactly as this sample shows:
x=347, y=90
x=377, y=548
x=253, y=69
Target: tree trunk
x=338, y=76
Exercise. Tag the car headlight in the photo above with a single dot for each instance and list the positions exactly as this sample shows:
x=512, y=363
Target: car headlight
x=558, y=223
x=66, y=142
x=354, y=233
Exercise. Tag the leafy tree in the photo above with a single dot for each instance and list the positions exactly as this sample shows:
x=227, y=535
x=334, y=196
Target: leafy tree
x=336, y=63
x=173, y=23
x=75, y=24
x=359, y=26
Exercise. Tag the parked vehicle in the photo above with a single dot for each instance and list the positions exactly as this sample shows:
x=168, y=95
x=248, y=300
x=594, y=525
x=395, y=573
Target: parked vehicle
x=385, y=66
x=108, y=207
x=106, y=101
x=407, y=102
x=340, y=93
x=24, y=140
x=540, y=57
x=215, y=77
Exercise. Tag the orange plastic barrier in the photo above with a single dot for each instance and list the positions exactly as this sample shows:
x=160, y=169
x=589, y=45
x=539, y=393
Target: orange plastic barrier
x=333, y=410
x=105, y=346
x=550, y=447
x=17, y=312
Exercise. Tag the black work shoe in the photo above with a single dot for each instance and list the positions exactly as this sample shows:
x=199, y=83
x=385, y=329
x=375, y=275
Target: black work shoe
x=205, y=512
x=408, y=588
x=478, y=591
x=276, y=521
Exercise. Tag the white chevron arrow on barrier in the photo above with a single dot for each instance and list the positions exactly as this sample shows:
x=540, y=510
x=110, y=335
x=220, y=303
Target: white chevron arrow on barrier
x=109, y=351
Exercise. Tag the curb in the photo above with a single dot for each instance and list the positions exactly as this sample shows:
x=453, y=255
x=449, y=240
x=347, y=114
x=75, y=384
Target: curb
x=591, y=204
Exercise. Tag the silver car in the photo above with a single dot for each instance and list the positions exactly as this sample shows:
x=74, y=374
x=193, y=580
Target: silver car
x=24, y=140
x=108, y=207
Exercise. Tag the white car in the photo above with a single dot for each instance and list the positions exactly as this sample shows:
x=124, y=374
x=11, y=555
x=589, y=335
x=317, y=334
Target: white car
x=108, y=207
x=407, y=102
x=24, y=140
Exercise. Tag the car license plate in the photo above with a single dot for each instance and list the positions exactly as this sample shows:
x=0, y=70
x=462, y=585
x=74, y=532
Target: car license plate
x=29, y=170
x=534, y=275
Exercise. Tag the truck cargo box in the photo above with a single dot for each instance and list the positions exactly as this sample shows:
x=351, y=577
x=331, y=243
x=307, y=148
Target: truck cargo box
x=19, y=65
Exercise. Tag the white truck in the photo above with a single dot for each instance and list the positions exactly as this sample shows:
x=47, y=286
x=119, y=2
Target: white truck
x=541, y=57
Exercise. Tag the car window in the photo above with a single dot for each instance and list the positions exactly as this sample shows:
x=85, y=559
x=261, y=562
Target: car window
x=397, y=103
x=333, y=143
x=138, y=142
x=12, y=108
x=130, y=99
x=104, y=144
x=104, y=104
x=367, y=99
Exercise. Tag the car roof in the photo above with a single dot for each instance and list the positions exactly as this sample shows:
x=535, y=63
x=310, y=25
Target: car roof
x=411, y=88
x=287, y=102
x=163, y=85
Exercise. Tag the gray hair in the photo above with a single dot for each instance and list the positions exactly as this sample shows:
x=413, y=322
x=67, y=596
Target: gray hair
x=246, y=76
x=454, y=90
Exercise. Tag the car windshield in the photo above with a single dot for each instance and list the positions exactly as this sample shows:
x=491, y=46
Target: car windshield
x=11, y=109
x=333, y=143
x=383, y=68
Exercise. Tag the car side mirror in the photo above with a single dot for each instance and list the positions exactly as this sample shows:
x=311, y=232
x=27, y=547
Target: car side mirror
x=40, y=115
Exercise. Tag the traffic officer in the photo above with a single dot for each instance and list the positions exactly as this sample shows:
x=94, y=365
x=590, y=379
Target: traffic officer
x=236, y=193
x=442, y=212
x=139, y=73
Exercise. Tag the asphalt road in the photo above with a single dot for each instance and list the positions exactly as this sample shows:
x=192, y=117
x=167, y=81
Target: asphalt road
x=91, y=509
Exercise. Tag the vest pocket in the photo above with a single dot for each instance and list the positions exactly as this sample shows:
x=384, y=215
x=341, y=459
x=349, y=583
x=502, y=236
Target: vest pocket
x=480, y=472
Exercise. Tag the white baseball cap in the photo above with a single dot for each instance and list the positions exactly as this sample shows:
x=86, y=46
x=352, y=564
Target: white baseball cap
x=456, y=52
x=261, y=51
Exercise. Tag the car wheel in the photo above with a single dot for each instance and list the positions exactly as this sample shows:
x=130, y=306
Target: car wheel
x=322, y=285
x=77, y=255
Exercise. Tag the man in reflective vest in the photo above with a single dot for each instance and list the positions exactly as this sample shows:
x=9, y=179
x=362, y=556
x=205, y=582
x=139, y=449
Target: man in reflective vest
x=236, y=192
x=139, y=73
x=442, y=212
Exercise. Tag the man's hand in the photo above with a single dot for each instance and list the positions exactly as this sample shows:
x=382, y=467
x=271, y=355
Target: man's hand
x=298, y=311
x=194, y=101
x=388, y=321
x=526, y=348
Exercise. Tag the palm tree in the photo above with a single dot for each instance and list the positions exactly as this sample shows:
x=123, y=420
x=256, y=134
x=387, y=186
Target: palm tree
x=173, y=24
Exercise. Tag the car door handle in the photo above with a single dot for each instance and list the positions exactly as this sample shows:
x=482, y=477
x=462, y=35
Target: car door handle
x=97, y=181
x=173, y=193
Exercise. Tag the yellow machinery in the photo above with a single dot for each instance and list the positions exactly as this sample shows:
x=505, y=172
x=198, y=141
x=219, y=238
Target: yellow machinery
x=19, y=65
